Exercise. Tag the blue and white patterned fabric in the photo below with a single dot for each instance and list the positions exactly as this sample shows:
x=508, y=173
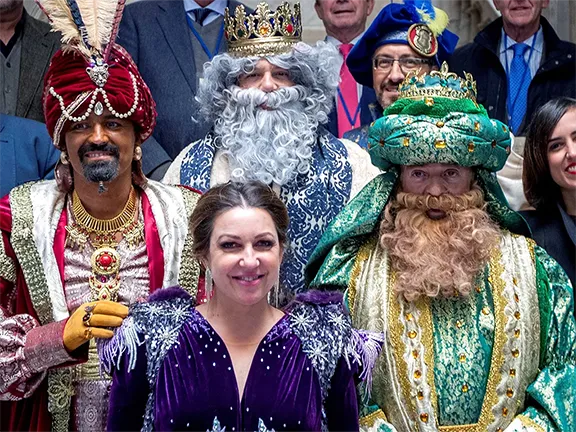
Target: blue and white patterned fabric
x=313, y=199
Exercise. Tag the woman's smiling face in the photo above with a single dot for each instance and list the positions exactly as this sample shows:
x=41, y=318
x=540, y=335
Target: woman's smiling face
x=244, y=255
x=562, y=152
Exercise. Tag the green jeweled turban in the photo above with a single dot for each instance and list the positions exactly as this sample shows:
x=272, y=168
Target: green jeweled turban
x=437, y=120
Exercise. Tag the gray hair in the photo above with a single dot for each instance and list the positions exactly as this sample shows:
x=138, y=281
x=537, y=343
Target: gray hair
x=315, y=67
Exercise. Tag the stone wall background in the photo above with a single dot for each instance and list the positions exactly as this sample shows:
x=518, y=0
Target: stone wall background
x=467, y=17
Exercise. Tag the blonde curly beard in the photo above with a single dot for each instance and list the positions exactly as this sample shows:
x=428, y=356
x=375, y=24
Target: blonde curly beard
x=437, y=257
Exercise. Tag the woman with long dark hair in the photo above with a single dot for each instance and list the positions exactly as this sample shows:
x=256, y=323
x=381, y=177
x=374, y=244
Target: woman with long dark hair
x=549, y=179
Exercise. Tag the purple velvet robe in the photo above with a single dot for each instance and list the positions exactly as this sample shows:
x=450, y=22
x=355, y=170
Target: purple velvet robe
x=196, y=384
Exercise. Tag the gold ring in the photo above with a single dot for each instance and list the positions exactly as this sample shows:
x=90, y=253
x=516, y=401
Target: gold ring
x=86, y=318
x=88, y=333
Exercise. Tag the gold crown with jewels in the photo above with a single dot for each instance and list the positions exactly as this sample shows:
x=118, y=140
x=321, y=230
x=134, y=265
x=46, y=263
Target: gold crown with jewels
x=264, y=32
x=438, y=83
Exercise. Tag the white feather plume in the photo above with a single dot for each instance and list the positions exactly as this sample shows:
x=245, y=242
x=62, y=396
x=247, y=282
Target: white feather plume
x=97, y=15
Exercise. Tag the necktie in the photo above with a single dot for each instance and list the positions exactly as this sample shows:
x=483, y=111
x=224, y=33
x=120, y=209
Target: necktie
x=519, y=81
x=348, y=117
x=201, y=15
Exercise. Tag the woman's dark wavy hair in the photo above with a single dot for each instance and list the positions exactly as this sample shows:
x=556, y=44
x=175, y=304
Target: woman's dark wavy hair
x=219, y=199
x=539, y=187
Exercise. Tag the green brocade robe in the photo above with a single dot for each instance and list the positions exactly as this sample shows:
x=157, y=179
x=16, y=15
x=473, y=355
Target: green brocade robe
x=501, y=359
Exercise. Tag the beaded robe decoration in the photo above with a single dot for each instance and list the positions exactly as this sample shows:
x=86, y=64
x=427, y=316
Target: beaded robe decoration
x=105, y=235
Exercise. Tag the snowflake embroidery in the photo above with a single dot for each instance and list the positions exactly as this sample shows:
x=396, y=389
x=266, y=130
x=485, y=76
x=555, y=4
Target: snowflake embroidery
x=338, y=319
x=180, y=312
x=317, y=352
x=216, y=426
x=168, y=336
x=301, y=320
x=154, y=310
x=262, y=427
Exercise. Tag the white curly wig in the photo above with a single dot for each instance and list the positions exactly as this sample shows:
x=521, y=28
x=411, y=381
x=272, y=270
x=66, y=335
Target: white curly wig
x=317, y=68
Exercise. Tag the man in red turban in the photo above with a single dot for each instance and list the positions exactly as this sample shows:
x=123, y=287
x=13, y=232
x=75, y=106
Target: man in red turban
x=76, y=251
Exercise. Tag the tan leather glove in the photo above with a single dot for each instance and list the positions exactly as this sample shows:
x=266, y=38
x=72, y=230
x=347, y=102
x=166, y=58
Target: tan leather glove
x=88, y=321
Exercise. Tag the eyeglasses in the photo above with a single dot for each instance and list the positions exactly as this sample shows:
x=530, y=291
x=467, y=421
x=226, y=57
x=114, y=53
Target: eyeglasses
x=407, y=64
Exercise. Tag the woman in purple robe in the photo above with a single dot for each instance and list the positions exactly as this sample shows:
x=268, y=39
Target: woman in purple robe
x=237, y=363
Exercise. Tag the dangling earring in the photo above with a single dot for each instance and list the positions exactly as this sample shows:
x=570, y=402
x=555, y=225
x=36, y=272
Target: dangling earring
x=137, y=153
x=275, y=291
x=208, y=283
x=64, y=158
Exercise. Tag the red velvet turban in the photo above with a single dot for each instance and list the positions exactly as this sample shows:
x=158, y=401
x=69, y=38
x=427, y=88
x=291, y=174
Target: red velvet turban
x=69, y=91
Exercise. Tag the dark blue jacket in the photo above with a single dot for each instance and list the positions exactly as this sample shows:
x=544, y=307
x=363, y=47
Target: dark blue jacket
x=360, y=135
x=157, y=36
x=555, y=77
x=368, y=98
x=26, y=152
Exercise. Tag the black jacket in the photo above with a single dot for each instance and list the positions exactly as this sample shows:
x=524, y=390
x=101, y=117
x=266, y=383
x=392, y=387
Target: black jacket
x=555, y=231
x=555, y=77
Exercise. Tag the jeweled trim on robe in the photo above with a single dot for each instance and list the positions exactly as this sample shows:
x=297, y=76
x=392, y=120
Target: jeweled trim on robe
x=30, y=243
x=36, y=209
x=171, y=207
x=404, y=380
x=7, y=266
x=29, y=252
x=189, y=267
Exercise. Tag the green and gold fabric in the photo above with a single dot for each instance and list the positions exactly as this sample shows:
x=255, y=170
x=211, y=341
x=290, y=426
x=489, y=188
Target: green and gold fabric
x=504, y=356
x=501, y=359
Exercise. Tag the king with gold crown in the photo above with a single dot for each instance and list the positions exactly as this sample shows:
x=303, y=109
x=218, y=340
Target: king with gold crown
x=269, y=98
x=479, y=323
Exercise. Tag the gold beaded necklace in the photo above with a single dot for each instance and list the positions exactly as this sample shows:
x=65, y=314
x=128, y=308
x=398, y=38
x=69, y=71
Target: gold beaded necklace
x=103, y=234
x=101, y=226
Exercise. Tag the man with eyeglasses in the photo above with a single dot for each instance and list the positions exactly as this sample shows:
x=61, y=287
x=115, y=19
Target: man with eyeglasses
x=401, y=39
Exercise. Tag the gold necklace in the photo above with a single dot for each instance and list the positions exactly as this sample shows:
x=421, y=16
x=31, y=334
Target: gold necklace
x=105, y=230
x=104, y=282
x=104, y=226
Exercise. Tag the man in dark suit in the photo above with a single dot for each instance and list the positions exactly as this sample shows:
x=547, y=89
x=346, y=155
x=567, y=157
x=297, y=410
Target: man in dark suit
x=27, y=45
x=170, y=41
x=345, y=22
x=519, y=62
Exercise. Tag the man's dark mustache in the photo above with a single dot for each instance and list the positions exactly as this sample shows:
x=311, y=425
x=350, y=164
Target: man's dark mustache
x=112, y=149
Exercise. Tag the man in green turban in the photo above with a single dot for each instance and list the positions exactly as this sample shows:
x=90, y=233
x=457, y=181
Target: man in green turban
x=478, y=318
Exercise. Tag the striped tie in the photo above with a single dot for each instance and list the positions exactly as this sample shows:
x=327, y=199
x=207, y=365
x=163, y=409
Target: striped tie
x=201, y=15
x=519, y=81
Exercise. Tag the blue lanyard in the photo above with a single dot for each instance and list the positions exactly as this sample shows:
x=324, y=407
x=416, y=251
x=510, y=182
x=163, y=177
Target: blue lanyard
x=511, y=104
x=351, y=120
x=209, y=53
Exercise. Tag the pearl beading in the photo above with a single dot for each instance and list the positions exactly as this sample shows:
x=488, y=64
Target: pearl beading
x=68, y=115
